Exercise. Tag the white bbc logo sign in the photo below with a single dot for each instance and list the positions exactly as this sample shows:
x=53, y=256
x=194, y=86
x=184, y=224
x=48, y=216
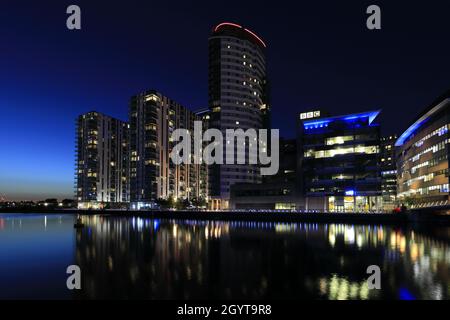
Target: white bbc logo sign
x=309, y=115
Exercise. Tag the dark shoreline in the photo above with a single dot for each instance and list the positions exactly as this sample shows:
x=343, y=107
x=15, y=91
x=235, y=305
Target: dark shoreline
x=424, y=216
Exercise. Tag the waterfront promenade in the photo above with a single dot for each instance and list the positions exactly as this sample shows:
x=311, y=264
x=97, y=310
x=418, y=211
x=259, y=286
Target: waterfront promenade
x=423, y=215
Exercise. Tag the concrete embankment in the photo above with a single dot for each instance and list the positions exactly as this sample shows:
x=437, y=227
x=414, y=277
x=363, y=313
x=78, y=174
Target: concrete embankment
x=279, y=217
x=358, y=218
x=426, y=216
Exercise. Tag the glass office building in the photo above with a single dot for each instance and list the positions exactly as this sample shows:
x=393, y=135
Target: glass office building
x=339, y=162
x=277, y=192
x=423, y=154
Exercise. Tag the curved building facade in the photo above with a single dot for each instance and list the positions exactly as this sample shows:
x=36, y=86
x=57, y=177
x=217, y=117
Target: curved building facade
x=423, y=158
x=238, y=98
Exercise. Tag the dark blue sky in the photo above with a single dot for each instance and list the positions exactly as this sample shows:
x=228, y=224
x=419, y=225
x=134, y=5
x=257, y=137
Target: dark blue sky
x=320, y=55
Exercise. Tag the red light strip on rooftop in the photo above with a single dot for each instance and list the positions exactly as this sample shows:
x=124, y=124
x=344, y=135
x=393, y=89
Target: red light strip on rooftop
x=240, y=27
x=226, y=24
x=258, y=38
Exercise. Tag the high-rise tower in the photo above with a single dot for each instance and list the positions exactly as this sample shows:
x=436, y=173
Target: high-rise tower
x=102, y=161
x=153, y=119
x=237, y=98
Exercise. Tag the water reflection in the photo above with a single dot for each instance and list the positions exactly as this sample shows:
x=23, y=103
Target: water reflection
x=35, y=251
x=135, y=257
x=164, y=259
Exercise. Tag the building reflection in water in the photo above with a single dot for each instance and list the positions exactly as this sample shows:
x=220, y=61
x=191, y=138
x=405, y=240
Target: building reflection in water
x=123, y=257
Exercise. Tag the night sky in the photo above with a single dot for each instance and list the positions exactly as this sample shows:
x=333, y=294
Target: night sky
x=320, y=56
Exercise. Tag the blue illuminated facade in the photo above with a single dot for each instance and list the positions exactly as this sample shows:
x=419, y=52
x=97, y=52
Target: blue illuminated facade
x=352, y=118
x=339, y=163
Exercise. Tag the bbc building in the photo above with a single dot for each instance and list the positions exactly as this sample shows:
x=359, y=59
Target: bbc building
x=339, y=162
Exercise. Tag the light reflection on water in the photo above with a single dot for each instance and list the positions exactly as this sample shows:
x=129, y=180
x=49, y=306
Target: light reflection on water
x=134, y=257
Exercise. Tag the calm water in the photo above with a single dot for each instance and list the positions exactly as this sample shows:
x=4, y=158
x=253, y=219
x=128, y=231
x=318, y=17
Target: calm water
x=166, y=259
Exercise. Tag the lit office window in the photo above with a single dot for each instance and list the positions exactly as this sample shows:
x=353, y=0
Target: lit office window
x=338, y=140
x=340, y=151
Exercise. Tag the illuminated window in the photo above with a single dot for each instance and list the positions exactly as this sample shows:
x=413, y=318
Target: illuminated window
x=150, y=162
x=152, y=97
x=284, y=206
x=342, y=177
x=340, y=151
x=150, y=126
x=338, y=140
x=150, y=145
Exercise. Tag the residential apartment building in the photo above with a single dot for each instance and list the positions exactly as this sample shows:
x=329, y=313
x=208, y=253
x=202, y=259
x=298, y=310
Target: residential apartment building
x=102, y=169
x=238, y=98
x=153, y=119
